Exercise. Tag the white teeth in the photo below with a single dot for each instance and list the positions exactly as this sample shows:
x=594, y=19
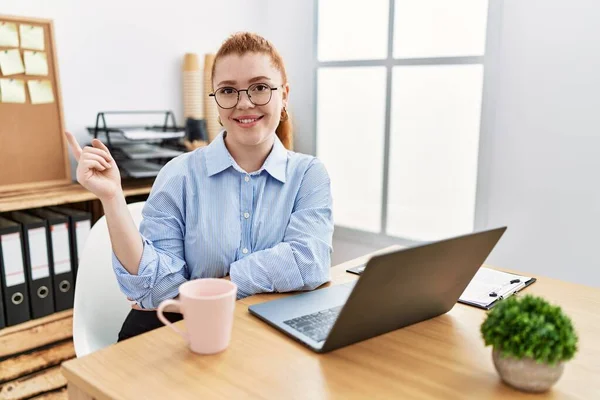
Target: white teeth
x=247, y=121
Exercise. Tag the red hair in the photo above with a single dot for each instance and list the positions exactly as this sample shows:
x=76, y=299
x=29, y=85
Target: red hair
x=246, y=42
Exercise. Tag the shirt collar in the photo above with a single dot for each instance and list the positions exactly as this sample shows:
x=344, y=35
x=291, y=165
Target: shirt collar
x=276, y=162
x=218, y=158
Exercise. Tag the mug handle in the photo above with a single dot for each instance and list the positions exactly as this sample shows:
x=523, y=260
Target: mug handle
x=164, y=320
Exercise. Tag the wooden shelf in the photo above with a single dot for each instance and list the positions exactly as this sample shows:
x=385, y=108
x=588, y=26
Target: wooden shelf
x=72, y=193
x=31, y=354
x=32, y=323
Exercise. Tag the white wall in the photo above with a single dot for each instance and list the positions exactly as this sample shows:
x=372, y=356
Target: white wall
x=291, y=29
x=127, y=55
x=542, y=160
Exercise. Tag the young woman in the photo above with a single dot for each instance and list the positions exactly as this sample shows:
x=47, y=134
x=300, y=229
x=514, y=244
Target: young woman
x=244, y=207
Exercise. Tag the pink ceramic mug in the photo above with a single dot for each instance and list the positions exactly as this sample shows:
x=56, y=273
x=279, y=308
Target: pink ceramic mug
x=207, y=306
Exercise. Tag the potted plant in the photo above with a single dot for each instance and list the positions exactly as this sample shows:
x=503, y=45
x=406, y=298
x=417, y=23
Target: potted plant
x=531, y=340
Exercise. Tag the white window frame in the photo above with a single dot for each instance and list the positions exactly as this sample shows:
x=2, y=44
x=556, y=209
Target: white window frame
x=489, y=62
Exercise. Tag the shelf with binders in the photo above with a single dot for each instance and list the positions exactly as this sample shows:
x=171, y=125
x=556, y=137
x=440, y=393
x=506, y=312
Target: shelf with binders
x=81, y=202
x=31, y=350
x=141, y=142
x=33, y=346
x=39, y=255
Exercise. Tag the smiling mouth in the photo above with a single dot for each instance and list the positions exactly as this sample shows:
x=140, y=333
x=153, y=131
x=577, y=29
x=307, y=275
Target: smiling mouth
x=248, y=120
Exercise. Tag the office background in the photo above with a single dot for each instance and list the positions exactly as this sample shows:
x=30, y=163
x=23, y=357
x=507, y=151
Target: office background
x=537, y=157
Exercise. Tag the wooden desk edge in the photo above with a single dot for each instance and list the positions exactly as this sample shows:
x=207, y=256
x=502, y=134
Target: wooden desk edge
x=78, y=388
x=75, y=393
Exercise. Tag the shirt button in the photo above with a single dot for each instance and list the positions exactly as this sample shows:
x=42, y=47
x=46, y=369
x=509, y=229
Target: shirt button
x=245, y=251
x=247, y=178
x=246, y=215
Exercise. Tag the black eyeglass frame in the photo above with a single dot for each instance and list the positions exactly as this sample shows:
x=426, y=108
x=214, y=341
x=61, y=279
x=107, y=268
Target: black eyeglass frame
x=214, y=94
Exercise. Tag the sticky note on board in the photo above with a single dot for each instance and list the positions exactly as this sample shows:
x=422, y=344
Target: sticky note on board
x=40, y=91
x=12, y=91
x=10, y=62
x=35, y=63
x=32, y=37
x=9, y=36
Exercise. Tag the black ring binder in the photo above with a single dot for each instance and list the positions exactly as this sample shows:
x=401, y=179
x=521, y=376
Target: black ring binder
x=17, y=298
x=56, y=231
x=14, y=293
x=43, y=292
x=64, y=286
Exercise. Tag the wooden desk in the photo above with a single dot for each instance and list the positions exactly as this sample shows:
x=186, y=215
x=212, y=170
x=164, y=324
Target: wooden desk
x=443, y=358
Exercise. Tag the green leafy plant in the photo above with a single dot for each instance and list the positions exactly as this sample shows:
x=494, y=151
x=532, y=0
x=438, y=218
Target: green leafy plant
x=530, y=327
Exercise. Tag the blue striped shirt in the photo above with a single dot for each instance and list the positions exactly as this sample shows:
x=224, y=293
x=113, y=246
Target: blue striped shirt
x=270, y=230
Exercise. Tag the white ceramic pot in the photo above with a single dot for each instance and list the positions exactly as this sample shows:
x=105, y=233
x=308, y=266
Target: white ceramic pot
x=526, y=374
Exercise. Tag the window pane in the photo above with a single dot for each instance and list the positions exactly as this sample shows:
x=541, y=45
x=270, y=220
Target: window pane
x=433, y=150
x=438, y=28
x=353, y=30
x=350, y=127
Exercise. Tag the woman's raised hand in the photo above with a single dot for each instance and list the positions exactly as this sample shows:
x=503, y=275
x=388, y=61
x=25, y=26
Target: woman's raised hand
x=96, y=169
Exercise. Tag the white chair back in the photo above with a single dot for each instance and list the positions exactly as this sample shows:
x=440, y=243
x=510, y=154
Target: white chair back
x=99, y=308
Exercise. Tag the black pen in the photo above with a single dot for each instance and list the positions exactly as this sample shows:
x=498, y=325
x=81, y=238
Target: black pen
x=494, y=294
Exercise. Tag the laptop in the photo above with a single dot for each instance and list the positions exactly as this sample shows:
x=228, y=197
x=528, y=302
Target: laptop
x=395, y=290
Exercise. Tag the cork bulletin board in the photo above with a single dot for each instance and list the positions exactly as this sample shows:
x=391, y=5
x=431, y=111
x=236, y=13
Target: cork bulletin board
x=33, y=148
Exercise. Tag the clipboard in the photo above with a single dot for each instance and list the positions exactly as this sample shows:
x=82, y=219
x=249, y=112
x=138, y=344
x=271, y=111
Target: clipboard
x=490, y=286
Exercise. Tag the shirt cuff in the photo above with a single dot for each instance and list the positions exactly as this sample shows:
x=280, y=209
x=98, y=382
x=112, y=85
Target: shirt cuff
x=269, y=270
x=137, y=286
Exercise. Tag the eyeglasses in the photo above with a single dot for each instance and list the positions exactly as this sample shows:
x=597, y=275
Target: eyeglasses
x=259, y=94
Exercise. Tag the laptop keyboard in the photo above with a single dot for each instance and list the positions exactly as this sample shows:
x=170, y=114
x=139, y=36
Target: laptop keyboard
x=316, y=325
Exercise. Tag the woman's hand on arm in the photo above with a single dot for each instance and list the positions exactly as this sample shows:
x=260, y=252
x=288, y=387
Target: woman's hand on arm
x=97, y=171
